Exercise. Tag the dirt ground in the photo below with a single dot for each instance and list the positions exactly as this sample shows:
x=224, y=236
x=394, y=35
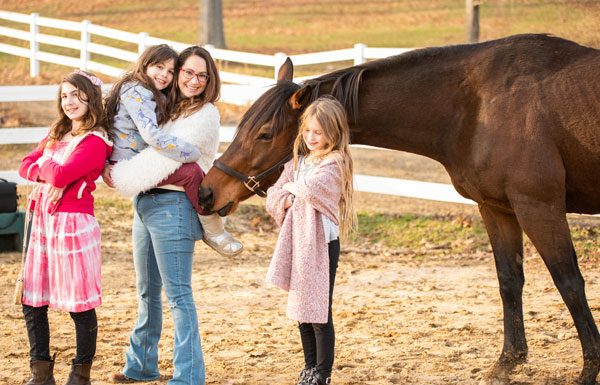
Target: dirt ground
x=399, y=319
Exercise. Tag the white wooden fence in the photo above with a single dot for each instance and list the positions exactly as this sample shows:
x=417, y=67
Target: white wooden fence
x=238, y=94
x=32, y=36
x=366, y=183
x=245, y=89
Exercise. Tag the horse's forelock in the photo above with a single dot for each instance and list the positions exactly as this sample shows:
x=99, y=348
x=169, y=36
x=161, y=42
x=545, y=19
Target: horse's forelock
x=271, y=106
x=268, y=108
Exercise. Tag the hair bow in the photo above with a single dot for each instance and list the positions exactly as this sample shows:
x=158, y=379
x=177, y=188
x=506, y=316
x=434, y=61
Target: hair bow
x=93, y=79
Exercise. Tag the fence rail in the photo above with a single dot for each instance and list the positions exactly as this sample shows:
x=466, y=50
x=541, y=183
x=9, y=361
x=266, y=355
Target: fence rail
x=245, y=90
x=84, y=44
x=366, y=183
x=439, y=192
x=237, y=94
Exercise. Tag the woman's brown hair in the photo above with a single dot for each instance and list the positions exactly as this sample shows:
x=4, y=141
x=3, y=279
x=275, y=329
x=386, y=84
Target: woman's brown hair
x=182, y=106
x=152, y=55
x=89, y=94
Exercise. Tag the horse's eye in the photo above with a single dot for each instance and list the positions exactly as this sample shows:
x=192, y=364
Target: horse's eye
x=265, y=136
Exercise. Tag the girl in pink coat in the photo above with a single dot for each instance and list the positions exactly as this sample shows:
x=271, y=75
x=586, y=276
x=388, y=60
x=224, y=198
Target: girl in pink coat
x=62, y=266
x=312, y=202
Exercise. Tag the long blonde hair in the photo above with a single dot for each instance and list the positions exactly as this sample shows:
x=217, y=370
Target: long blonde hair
x=332, y=118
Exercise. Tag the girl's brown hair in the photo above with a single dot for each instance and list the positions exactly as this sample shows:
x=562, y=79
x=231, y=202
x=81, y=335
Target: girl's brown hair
x=89, y=94
x=178, y=103
x=151, y=56
x=332, y=118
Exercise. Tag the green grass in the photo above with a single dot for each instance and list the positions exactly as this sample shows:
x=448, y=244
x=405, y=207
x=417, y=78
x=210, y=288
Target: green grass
x=421, y=235
x=450, y=234
x=414, y=232
x=585, y=238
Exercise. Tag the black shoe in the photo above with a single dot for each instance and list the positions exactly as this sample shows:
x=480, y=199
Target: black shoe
x=319, y=379
x=305, y=376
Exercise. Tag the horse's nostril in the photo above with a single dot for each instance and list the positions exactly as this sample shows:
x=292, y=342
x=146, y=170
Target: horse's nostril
x=206, y=198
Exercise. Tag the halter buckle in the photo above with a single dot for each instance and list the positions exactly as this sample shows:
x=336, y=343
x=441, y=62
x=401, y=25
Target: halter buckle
x=251, y=183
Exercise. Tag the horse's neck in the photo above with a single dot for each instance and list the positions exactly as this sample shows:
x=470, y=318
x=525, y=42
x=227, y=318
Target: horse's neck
x=419, y=107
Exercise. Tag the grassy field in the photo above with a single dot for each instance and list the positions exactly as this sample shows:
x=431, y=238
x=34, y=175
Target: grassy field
x=292, y=27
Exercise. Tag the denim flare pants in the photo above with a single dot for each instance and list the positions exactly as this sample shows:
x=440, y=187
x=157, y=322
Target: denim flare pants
x=165, y=228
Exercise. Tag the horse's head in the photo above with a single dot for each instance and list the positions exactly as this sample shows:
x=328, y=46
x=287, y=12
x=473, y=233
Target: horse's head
x=264, y=140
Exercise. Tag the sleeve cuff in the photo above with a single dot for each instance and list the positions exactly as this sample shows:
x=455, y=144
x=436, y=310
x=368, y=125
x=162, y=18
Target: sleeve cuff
x=291, y=187
x=41, y=160
x=33, y=172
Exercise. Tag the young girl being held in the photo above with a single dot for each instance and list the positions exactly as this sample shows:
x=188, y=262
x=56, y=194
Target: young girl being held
x=136, y=109
x=62, y=265
x=312, y=202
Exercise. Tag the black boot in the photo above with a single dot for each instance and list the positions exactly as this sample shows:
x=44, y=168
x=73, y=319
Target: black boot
x=319, y=379
x=305, y=376
x=80, y=374
x=42, y=373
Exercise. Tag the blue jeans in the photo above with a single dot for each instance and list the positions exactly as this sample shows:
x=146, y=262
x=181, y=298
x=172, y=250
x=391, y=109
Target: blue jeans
x=165, y=228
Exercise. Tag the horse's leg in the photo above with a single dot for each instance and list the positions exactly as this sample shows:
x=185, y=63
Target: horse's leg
x=546, y=225
x=506, y=238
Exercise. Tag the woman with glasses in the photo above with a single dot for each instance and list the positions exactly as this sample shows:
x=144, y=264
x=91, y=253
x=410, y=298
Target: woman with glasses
x=125, y=173
x=166, y=226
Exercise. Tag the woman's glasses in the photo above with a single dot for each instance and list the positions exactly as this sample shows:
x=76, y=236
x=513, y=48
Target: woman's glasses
x=188, y=74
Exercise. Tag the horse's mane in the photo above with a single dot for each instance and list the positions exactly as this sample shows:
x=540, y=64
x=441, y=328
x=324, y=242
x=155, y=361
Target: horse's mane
x=344, y=84
x=271, y=107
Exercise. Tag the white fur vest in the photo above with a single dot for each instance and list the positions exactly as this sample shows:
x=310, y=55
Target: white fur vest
x=148, y=168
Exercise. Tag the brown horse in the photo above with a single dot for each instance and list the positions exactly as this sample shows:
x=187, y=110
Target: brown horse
x=515, y=122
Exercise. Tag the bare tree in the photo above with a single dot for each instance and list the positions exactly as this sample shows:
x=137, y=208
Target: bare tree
x=211, y=23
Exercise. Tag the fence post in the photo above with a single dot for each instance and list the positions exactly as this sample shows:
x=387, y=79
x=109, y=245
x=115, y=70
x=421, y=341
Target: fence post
x=472, y=21
x=84, y=55
x=278, y=62
x=142, y=42
x=34, y=64
x=359, y=53
x=210, y=48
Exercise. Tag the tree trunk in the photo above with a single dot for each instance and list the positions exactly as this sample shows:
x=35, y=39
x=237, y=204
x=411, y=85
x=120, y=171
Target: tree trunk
x=211, y=23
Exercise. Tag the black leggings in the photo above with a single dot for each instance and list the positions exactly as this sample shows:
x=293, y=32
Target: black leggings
x=318, y=340
x=38, y=331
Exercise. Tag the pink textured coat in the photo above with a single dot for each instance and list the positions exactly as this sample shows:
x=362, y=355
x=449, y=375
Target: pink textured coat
x=300, y=263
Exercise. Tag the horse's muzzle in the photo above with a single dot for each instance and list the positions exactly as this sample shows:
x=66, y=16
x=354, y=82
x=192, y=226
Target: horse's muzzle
x=206, y=198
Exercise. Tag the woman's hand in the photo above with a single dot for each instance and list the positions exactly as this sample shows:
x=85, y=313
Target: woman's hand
x=106, y=175
x=55, y=193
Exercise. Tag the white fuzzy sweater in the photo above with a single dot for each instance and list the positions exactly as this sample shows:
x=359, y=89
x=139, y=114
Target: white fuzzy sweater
x=148, y=168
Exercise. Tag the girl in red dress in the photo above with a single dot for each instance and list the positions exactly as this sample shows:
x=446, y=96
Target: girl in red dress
x=62, y=266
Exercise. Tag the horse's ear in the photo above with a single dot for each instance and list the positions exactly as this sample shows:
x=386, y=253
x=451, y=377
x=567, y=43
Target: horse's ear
x=300, y=98
x=286, y=71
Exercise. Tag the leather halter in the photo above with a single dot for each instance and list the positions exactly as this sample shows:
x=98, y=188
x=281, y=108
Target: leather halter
x=252, y=183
